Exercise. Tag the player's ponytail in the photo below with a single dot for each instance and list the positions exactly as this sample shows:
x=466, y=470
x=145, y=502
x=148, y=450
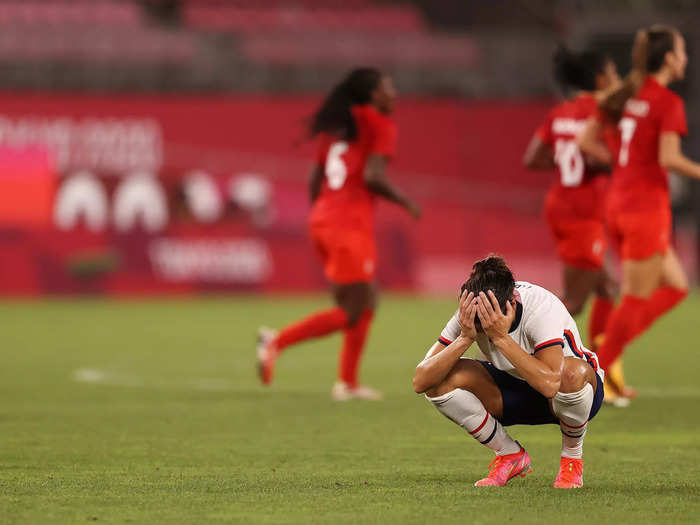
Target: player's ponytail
x=334, y=115
x=648, y=56
x=577, y=70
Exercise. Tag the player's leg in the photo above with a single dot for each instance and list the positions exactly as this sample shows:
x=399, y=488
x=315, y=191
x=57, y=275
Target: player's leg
x=579, y=283
x=359, y=302
x=331, y=248
x=606, y=290
x=574, y=405
x=470, y=397
x=640, y=278
x=616, y=390
x=672, y=290
x=644, y=251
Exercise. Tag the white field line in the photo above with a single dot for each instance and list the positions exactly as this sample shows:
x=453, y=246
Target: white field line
x=103, y=377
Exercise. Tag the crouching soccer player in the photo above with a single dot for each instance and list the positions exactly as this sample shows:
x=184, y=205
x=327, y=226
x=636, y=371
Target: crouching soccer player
x=538, y=371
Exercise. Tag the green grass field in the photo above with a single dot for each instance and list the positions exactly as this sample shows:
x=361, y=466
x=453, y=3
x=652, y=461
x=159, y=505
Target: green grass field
x=150, y=412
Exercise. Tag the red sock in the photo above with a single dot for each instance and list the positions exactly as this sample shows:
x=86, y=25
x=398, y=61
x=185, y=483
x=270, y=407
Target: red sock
x=353, y=345
x=625, y=322
x=664, y=298
x=600, y=313
x=316, y=325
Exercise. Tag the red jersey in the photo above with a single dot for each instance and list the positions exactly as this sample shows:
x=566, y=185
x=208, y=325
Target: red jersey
x=577, y=191
x=639, y=181
x=344, y=200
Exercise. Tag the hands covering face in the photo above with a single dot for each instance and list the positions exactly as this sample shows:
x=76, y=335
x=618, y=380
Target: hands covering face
x=494, y=322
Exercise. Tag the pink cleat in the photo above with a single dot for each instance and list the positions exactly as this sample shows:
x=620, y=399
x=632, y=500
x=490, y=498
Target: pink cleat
x=504, y=468
x=570, y=474
x=267, y=354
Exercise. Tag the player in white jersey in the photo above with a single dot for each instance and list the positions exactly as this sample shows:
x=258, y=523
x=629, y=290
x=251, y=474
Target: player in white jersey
x=537, y=372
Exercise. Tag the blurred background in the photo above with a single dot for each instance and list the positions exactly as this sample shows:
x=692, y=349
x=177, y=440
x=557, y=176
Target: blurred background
x=158, y=146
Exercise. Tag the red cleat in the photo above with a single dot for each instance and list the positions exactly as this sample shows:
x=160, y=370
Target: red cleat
x=570, y=474
x=267, y=354
x=504, y=468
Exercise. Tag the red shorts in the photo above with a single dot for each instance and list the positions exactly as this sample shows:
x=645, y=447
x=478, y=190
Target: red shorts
x=576, y=220
x=348, y=256
x=640, y=234
x=580, y=243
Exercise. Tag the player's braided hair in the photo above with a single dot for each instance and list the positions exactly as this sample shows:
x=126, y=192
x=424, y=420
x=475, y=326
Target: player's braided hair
x=334, y=115
x=578, y=70
x=491, y=273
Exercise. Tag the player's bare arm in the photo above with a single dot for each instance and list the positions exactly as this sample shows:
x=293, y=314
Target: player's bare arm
x=538, y=155
x=441, y=359
x=543, y=370
x=377, y=182
x=671, y=156
x=590, y=144
x=315, y=181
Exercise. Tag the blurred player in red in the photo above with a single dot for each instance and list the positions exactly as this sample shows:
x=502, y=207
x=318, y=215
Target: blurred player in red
x=650, y=120
x=356, y=140
x=574, y=203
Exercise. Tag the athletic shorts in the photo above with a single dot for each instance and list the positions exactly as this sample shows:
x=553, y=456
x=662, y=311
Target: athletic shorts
x=523, y=405
x=580, y=244
x=348, y=256
x=576, y=219
x=640, y=234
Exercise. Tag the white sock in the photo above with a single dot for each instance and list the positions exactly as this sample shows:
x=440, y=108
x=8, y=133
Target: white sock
x=573, y=409
x=465, y=409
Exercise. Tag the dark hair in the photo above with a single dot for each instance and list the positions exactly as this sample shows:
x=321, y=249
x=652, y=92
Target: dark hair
x=491, y=273
x=660, y=40
x=334, y=115
x=578, y=70
x=648, y=56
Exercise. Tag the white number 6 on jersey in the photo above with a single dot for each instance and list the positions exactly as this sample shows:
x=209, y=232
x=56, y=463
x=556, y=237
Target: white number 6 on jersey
x=336, y=170
x=570, y=161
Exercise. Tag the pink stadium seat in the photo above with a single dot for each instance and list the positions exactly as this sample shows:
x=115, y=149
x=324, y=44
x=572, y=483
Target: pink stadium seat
x=140, y=44
x=318, y=49
x=255, y=19
x=66, y=12
x=300, y=4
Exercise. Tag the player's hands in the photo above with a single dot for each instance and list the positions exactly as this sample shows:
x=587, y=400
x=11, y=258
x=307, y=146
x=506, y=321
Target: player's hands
x=467, y=312
x=494, y=322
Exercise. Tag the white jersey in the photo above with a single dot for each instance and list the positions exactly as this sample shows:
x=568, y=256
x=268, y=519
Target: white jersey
x=541, y=321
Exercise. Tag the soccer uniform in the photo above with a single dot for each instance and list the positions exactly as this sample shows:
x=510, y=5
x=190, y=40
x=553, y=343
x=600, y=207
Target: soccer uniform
x=638, y=210
x=341, y=221
x=541, y=321
x=573, y=204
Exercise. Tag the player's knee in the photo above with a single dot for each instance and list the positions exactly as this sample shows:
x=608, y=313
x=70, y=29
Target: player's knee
x=356, y=306
x=573, y=375
x=441, y=389
x=353, y=316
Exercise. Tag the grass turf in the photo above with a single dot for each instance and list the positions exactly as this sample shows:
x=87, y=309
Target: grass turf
x=150, y=412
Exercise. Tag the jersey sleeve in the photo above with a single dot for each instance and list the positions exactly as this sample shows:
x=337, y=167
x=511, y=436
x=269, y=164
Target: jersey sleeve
x=384, y=137
x=545, y=328
x=673, y=119
x=544, y=132
x=451, y=331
